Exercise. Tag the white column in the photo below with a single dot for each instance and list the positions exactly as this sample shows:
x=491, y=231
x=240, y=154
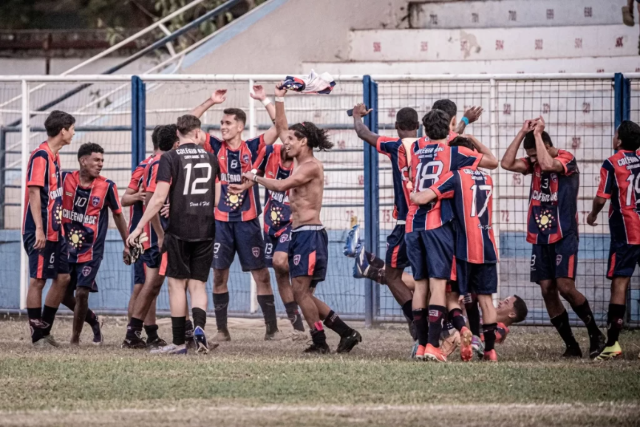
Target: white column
x=493, y=146
x=24, y=276
x=252, y=134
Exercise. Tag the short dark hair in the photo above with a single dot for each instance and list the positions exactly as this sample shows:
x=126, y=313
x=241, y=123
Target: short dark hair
x=530, y=140
x=89, y=148
x=154, y=136
x=316, y=137
x=167, y=137
x=407, y=119
x=461, y=141
x=520, y=307
x=629, y=135
x=446, y=105
x=187, y=123
x=240, y=115
x=436, y=124
x=57, y=121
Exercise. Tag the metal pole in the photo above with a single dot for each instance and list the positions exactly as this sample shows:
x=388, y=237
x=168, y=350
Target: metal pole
x=368, y=206
x=375, y=193
x=3, y=156
x=253, y=287
x=493, y=146
x=618, y=87
x=23, y=186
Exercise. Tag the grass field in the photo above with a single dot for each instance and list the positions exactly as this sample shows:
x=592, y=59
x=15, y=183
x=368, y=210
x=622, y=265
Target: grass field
x=252, y=382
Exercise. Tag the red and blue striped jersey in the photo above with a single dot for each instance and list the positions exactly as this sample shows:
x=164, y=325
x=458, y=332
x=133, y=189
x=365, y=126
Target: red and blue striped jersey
x=137, y=209
x=43, y=170
x=620, y=182
x=471, y=194
x=553, y=201
x=84, y=215
x=149, y=185
x=277, y=212
x=393, y=148
x=233, y=163
x=429, y=161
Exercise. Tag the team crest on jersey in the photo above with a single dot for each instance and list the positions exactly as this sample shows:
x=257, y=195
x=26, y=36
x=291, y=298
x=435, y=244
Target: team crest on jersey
x=296, y=259
x=57, y=215
x=558, y=259
x=234, y=201
x=76, y=238
x=255, y=251
x=276, y=215
x=545, y=220
x=245, y=158
x=95, y=201
x=284, y=238
x=86, y=270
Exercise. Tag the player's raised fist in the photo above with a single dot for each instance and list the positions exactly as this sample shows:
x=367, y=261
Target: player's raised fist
x=473, y=114
x=539, y=126
x=528, y=126
x=360, y=110
x=280, y=90
x=219, y=96
x=258, y=93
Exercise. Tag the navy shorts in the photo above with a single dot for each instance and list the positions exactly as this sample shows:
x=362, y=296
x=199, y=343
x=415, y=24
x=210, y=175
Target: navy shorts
x=48, y=262
x=397, y=248
x=245, y=238
x=152, y=257
x=139, y=276
x=309, y=253
x=555, y=261
x=83, y=275
x=623, y=259
x=481, y=279
x=273, y=244
x=430, y=252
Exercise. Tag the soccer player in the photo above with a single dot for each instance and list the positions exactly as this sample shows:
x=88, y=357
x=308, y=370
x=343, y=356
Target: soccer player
x=619, y=177
x=552, y=228
x=456, y=128
x=429, y=231
x=153, y=259
x=86, y=198
x=187, y=175
x=41, y=228
x=134, y=196
x=308, y=249
x=475, y=248
x=237, y=224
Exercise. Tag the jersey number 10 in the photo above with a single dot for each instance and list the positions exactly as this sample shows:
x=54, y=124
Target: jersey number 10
x=204, y=180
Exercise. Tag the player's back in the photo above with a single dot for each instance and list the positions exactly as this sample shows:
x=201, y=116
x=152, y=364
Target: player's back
x=306, y=200
x=192, y=173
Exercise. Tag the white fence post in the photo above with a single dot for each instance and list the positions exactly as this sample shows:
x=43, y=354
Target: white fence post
x=253, y=297
x=24, y=277
x=493, y=146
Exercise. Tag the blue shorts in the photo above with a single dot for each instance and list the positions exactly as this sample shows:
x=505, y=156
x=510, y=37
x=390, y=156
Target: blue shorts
x=623, y=259
x=139, y=276
x=555, y=261
x=152, y=257
x=48, y=262
x=245, y=238
x=480, y=279
x=430, y=252
x=309, y=253
x=397, y=248
x=83, y=275
x=273, y=244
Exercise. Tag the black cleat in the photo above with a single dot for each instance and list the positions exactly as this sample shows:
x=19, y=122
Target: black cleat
x=347, y=343
x=156, y=343
x=318, y=349
x=597, y=345
x=573, y=351
x=134, y=342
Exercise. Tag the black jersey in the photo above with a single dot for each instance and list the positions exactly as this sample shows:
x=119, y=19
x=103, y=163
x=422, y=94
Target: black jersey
x=192, y=173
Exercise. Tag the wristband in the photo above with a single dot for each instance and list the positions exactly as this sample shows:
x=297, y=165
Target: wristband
x=279, y=98
x=255, y=176
x=266, y=102
x=465, y=120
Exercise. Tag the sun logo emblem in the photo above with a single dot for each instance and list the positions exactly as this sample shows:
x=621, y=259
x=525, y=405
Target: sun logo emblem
x=234, y=201
x=545, y=219
x=276, y=215
x=57, y=214
x=76, y=238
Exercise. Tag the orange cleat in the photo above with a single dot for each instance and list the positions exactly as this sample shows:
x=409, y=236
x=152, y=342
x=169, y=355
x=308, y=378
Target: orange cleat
x=434, y=353
x=420, y=353
x=466, y=351
x=490, y=356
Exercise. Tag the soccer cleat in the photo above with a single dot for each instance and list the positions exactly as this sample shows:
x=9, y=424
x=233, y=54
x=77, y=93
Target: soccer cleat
x=222, y=335
x=156, y=343
x=134, y=342
x=449, y=344
x=597, y=345
x=297, y=335
x=276, y=336
x=200, y=340
x=98, y=338
x=352, y=242
x=490, y=356
x=434, y=353
x=170, y=349
x=420, y=352
x=501, y=333
x=318, y=349
x=52, y=341
x=414, y=349
x=466, y=351
x=361, y=266
x=347, y=343
x=611, y=352
x=478, y=346
x=573, y=351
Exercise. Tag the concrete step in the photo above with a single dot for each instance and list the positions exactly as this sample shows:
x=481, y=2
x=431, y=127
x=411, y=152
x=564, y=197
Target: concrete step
x=494, y=43
x=514, y=13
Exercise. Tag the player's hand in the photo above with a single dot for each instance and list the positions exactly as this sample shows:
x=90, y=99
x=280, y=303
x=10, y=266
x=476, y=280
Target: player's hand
x=164, y=211
x=473, y=114
x=41, y=240
x=219, y=96
x=140, y=195
x=280, y=90
x=248, y=176
x=131, y=240
x=360, y=110
x=258, y=93
x=539, y=126
x=236, y=188
x=126, y=255
x=160, y=242
x=591, y=219
x=528, y=126
x=413, y=197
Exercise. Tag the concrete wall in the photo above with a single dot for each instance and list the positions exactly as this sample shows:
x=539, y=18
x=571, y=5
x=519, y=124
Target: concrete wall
x=37, y=66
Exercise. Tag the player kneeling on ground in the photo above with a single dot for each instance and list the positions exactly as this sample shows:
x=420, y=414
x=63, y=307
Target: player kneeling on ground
x=187, y=175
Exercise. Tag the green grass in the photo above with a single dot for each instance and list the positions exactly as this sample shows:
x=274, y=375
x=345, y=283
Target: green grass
x=240, y=382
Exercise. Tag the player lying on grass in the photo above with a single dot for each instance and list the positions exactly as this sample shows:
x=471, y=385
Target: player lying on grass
x=552, y=229
x=308, y=249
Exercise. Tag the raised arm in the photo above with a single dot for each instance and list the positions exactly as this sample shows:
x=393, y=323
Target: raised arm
x=423, y=197
x=546, y=162
x=303, y=174
x=488, y=160
x=472, y=114
x=259, y=94
x=153, y=207
x=282, y=127
x=510, y=161
x=131, y=197
x=217, y=97
x=359, y=111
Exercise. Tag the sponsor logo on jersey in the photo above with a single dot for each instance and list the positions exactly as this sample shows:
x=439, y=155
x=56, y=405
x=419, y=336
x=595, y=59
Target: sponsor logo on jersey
x=543, y=197
x=55, y=193
x=78, y=217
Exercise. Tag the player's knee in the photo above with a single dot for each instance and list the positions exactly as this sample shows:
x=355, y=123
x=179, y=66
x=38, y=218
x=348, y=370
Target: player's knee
x=261, y=276
x=62, y=280
x=82, y=295
x=281, y=265
x=220, y=278
x=37, y=284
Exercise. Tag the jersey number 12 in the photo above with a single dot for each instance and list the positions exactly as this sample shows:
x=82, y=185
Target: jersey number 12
x=203, y=180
